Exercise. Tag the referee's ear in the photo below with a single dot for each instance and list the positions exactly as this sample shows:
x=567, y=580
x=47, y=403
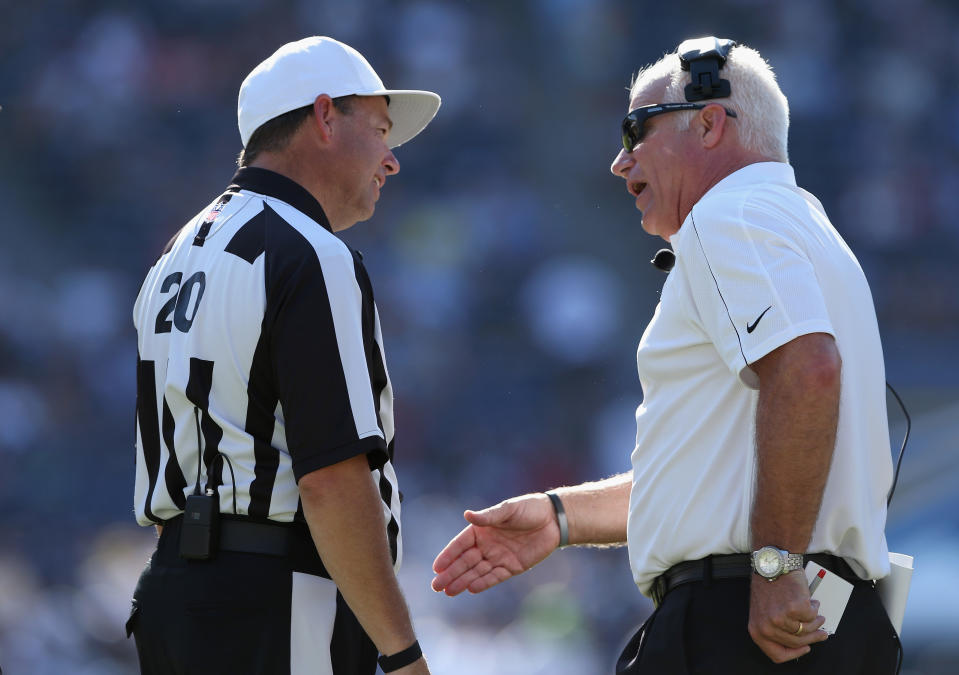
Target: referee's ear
x=324, y=113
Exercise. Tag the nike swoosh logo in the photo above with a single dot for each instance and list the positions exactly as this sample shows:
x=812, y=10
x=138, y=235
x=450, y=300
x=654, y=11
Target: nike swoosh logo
x=751, y=327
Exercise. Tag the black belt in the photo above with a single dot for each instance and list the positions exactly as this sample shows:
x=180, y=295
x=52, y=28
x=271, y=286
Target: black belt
x=734, y=566
x=264, y=537
x=247, y=536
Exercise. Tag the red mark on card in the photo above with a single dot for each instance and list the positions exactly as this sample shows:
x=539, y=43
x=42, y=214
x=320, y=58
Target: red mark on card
x=816, y=581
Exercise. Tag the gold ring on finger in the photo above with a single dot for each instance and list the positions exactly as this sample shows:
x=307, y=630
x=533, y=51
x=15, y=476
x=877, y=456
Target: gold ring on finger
x=799, y=630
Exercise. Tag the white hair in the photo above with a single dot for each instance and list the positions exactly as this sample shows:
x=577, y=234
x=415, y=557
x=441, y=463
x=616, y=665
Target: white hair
x=762, y=109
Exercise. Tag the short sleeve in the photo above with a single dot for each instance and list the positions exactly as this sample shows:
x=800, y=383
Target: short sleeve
x=753, y=284
x=321, y=369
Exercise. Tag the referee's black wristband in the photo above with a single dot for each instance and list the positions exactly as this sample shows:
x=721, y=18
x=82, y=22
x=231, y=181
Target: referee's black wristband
x=400, y=659
x=560, y=518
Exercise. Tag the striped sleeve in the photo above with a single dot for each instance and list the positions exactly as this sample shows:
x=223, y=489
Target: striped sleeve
x=317, y=350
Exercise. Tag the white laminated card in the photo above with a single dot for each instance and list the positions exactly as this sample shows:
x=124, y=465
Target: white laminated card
x=832, y=592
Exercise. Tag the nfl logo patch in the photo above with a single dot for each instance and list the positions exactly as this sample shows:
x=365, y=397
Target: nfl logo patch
x=214, y=212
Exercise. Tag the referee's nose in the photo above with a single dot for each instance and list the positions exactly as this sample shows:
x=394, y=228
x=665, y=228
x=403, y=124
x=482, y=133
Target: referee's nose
x=391, y=164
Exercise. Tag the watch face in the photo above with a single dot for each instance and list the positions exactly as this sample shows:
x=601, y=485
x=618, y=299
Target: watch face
x=768, y=562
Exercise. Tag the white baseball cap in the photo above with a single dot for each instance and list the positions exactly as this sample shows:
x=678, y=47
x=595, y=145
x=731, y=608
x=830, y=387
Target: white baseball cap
x=300, y=71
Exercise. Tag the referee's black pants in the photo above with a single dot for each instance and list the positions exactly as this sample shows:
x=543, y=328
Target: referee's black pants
x=702, y=628
x=242, y=614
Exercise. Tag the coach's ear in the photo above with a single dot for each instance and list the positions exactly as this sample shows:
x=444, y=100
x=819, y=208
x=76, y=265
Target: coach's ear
x=324, y=114
x=712, y=121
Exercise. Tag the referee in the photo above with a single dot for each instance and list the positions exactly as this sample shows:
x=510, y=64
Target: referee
x=264, y=412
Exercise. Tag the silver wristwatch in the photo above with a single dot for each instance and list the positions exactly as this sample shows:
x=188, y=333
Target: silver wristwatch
x=771, y=562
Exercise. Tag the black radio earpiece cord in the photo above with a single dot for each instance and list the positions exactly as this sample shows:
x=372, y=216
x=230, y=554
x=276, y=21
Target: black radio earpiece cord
x=232, y=476
x=199, y=450
x=199, y=463
x=902, y=449
x=892, y=489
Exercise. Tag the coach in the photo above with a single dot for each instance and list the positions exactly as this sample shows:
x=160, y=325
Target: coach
x=761, y=439
x=264, y=409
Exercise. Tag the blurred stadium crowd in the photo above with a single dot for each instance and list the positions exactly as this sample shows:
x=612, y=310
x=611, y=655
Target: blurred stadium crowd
x=509, y=266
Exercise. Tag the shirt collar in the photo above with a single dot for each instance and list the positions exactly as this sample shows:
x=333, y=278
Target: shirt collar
x=760, y=172
x=751, y=174
x=272, y=184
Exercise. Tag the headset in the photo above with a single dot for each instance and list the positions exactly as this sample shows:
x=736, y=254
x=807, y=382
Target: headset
x=702, y=58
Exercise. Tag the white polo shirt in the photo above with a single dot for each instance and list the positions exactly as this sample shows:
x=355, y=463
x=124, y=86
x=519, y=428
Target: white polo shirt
x=757, y=264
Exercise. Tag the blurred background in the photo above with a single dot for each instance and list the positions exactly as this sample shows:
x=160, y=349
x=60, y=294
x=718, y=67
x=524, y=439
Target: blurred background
x=510, y=269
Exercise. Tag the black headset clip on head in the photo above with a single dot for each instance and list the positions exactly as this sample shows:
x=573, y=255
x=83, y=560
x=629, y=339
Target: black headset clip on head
x=703, y=57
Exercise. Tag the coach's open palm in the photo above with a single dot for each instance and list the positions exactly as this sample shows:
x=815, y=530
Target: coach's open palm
x=500, y=542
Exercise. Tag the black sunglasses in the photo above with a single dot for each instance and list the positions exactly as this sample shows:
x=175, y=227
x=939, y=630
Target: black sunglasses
x=634, y=124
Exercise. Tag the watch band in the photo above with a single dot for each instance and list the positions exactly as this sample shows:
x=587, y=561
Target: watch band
x=794, y=561
x=560, y=518
x=400, y=659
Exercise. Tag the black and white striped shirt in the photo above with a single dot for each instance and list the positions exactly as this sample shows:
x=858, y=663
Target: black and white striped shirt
x=260, y=324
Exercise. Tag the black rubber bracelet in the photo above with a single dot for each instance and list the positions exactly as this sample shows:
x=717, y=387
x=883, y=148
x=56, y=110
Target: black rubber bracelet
x=400, y=659
x=560, y=518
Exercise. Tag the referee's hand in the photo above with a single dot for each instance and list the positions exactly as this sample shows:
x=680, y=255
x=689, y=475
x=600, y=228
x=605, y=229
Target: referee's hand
x=783, y=621
x=500, y=542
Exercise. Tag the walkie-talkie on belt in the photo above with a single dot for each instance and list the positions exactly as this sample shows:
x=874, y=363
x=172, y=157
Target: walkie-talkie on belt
x=198, y=533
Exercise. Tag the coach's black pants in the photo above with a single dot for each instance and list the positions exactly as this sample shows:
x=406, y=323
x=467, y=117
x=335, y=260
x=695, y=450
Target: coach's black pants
x=233, y=614
x=702, y=628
